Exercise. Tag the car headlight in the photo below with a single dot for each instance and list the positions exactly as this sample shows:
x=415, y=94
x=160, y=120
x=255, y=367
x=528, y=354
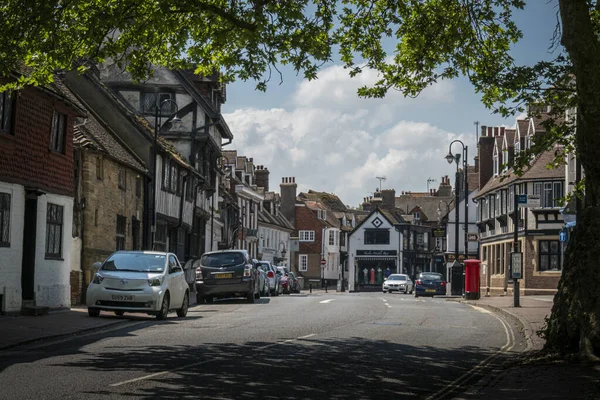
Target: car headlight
x=155, y=281
x=98, y=279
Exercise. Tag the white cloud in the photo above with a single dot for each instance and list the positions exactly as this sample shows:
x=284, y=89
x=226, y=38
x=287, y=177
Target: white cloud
x=331, y=140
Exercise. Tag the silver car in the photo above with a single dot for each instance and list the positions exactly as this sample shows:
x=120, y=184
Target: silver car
x=151, y=282
x=273, y=278
x=399, y=283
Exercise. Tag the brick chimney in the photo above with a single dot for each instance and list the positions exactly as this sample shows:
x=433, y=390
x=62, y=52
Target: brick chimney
x=389, y=199
x=445, y=188
x=485, y=156
x=288, y=190
x=261, y=177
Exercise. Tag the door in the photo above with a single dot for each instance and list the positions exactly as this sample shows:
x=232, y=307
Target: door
x=29, y=238
x=175, y=278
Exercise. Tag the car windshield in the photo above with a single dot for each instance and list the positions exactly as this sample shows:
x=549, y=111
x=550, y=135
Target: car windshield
x=135, y=262
x=432, y=276
x=222, y=259
x=397, y=278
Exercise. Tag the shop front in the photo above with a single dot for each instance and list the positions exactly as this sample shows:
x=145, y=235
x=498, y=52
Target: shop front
x=372, y=267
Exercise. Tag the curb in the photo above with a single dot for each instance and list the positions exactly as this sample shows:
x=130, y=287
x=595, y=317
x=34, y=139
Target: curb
x=522, y=324
x=63, y=335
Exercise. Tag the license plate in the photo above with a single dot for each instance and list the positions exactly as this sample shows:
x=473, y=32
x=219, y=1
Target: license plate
x=221, y=276
x=430, y=290
x=121, y=297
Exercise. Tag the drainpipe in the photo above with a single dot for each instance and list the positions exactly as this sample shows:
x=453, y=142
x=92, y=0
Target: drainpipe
x=212, y=221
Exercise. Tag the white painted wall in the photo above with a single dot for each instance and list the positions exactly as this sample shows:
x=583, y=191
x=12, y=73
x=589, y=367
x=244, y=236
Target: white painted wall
x=356, y=242
x=450, y=227
x=11, y=258
x=52, y=277
x=332, y=254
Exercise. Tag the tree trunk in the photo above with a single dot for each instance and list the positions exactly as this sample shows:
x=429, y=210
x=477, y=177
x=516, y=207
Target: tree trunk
x=574, y=325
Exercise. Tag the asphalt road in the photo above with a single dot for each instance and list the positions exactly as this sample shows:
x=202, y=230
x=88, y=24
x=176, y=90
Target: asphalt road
x=325, y=346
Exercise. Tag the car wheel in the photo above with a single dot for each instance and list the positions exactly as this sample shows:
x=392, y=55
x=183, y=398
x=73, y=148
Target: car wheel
x=416, y=295
x=119, y=313
x=164, y=308
x=257, y=295
x=411, y=291
x=199, y=299
x=182, y=312
x=405, y=290
x=93, y=312
x=250, y=298
x=277, y=291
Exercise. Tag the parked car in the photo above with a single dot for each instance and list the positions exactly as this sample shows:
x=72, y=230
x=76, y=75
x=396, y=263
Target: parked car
x=273, y=278
x=263, y=281
x=227, y=273
x=430, y=284
x=398, y=282
x=138, y=281
x=294, y=285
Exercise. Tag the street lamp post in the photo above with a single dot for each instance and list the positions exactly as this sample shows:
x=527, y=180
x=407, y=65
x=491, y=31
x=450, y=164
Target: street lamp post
x=157, y=127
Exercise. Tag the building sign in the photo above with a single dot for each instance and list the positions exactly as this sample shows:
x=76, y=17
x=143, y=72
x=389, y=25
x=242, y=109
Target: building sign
x=294, y=245
x=439, y=232
x=517, y=261
x=472, y=237
x=461, y=257
x=529, y=200
x=376, y=252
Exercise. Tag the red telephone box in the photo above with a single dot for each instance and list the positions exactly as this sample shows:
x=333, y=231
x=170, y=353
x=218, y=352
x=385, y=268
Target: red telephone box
x=472, y=268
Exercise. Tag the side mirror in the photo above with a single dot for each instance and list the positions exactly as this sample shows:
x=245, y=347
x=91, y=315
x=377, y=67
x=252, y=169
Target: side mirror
x=96, y=265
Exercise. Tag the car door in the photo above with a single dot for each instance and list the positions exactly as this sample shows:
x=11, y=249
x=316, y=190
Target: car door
x=174, y=277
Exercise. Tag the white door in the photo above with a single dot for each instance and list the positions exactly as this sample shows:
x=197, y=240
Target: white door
x=174, y=278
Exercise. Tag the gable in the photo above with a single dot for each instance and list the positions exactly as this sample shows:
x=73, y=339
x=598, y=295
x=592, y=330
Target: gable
x=375, y=220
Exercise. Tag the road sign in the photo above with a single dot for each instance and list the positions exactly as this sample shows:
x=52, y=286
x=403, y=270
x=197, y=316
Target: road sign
x=472, y=237
x=522, y=200
x=517, y=262
x=323, y=262
x=562, y=236
x=439, y=232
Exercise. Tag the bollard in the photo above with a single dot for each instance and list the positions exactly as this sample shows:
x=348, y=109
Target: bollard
x=310, y=286
x=326, y=286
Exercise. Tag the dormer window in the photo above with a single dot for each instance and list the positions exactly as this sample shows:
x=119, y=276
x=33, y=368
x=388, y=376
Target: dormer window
x=505, y=157
x=322, y=214
x=417, y=216
x=496, y=162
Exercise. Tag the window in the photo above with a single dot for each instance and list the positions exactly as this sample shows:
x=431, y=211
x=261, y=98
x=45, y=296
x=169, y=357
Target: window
x=189, y=189
x=4, y=220
x=121, y=222
x=59, y=132
x=122, y=179
x=517, y=146
x=150, y=100
x=503, y=202
x=180, y=183
x=303, y=262
x=135, y=234
x=174, y=177
x=160, y=238
x=138, y=186
x=307, y=236
x=417, y=216
x=377, y=236
x=166, y=174
x=342, y=239
x=496, y=162
x=550, y=193
x=54, y=229
x=6, y=107
x=549, y=255
x=174, y=266
x=99, y=168
x=505, y=158
x=331, y=238
x=322, y=214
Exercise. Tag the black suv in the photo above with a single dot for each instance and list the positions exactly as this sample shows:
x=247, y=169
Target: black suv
x=227, y=273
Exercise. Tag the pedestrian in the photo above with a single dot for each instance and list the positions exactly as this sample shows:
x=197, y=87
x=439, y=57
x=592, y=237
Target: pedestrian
x=388, y=272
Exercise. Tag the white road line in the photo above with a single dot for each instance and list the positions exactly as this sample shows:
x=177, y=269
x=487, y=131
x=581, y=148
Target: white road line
x=307, y=336
x=388, y=305
x=382, y=299
x=510, y=343
x=142, y=378
x=326, y=301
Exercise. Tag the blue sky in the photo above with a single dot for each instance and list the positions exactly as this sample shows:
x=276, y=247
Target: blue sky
x=322, y=134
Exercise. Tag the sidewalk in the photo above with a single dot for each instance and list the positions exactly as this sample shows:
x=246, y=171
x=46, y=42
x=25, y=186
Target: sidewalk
x=23, y=330
x=527, y=379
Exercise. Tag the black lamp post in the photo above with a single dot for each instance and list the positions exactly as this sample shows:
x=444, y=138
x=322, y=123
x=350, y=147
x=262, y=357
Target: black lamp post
x=456, y=158
x=157, y=126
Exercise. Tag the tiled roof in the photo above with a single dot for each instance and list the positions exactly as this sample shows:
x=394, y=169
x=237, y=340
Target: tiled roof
x=510, y=134
x=241, y=163
x=230, y=155
x=95, y=135
x=536, y=171
x=428, y=205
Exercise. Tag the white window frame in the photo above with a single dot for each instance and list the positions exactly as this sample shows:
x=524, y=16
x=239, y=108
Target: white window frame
x=322, y=214
x=306, y=236
x=331, y=238
x=496, y=162
x=303, y=262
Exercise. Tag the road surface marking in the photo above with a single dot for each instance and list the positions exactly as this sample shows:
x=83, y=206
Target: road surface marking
x=141, y=378
x=382, y=299
x=326, y=301
x=508, y=346
x=307, y=336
